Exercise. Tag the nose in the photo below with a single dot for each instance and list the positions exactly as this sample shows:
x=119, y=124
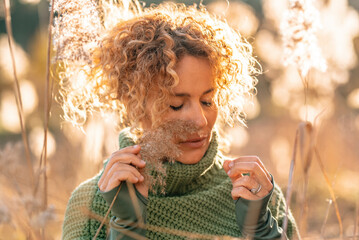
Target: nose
x=197, y=115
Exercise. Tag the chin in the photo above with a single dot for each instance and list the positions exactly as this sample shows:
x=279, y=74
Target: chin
x=192, y=155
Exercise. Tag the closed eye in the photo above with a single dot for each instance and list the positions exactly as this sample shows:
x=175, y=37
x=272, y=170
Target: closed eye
x=176, y=108
x=207, y=104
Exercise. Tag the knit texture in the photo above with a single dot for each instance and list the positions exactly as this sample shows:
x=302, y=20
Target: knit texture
x=85, y=206
x=197, y=200
x=197, y=203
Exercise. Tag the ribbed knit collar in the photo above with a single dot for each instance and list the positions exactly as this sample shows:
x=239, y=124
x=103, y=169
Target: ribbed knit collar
x=185, y=178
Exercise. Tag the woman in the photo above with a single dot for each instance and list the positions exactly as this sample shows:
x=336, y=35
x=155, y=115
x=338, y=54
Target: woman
x=166, y=64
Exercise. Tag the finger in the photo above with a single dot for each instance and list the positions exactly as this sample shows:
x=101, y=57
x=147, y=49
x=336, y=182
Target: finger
x=250, y=183
x=117, y=168
x=125, y=155
x=121, y=168
x=125, y=167
x=242, y=192
x=117, y=178
x=121, y=155
x=226, y=165
x=251, y=159
x=245, y=181
x=255, y=171
x=128, y=158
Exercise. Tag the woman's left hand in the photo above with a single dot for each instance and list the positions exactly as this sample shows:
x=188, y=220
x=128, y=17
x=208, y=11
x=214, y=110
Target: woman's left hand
x=250, y=179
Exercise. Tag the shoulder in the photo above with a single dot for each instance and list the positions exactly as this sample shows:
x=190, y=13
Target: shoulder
x=82, y=194
x=78, y=209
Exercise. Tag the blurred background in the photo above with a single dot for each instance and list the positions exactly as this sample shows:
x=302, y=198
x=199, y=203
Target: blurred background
x=280, y=105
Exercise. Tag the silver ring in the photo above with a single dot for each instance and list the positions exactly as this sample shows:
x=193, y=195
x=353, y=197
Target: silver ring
x=254, y=191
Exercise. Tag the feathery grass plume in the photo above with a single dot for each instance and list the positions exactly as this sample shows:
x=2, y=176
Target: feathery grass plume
x=19, y=207
x=301, y=21
x=77, y=29
x=5, y=216
x=76, y=32
x=159, y=146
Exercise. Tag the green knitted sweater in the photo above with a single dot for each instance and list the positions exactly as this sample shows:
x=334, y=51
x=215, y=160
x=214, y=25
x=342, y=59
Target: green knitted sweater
x=197, y=203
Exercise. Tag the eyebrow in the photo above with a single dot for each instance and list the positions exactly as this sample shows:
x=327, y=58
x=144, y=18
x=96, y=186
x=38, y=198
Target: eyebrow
x=188, y=95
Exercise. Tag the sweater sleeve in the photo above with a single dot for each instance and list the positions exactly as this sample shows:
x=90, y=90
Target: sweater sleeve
x=261, y=219
x=124, y=223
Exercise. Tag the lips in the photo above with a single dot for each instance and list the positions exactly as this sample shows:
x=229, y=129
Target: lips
x=196, y=142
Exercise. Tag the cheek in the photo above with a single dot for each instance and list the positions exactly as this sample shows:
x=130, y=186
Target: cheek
x=170, y=115
x=212, y=117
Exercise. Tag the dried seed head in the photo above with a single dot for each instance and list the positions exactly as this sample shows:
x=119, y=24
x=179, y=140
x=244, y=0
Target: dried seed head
x=159, y=146
x=31, y=204
x=43, y=218
x=5, y=216
x=77, y=29
x=298, y=28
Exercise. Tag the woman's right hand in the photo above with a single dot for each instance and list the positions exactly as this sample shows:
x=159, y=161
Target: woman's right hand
x=122, y=166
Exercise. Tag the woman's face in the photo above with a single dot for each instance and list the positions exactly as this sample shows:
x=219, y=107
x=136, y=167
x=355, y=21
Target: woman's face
x=193, y=101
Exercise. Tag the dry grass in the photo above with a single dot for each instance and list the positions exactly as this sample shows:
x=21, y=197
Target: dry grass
x=33, y=200
x=158, y=146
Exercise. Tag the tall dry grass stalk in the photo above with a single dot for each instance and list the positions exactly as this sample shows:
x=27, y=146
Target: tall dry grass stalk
x=356, y=219
x=299, y=141
x=322, y=231
x=36, y=219
x=289, y=186
x=106, y=215
x=47, y=109
x=301, y=49
x=307, y=140
x=47, y=105
x=18, y=92
x=330, y=188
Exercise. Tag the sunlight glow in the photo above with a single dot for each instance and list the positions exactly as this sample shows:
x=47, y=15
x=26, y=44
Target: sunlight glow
x=8, y=112
x=252, y=108
x=280, y=153
x=353, y=98
x=29, y=96
x=246, y=22
x=32, y=2
x=314, y=113
x=238, y=137
x=8, y=109
x=21, y=60
x=36, y=140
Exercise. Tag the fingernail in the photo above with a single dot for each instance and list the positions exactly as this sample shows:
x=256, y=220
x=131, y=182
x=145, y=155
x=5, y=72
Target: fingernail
x=136, y=146
x=136, y=179
x=142, y=162
x=229, y=172
x=231, y=164
x=142, y=178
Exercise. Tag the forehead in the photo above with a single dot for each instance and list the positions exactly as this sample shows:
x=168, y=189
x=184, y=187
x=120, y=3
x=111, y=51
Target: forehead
x=195, y=75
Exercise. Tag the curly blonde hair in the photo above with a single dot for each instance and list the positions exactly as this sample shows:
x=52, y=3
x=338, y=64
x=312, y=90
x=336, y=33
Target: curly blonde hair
x=140, y=54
